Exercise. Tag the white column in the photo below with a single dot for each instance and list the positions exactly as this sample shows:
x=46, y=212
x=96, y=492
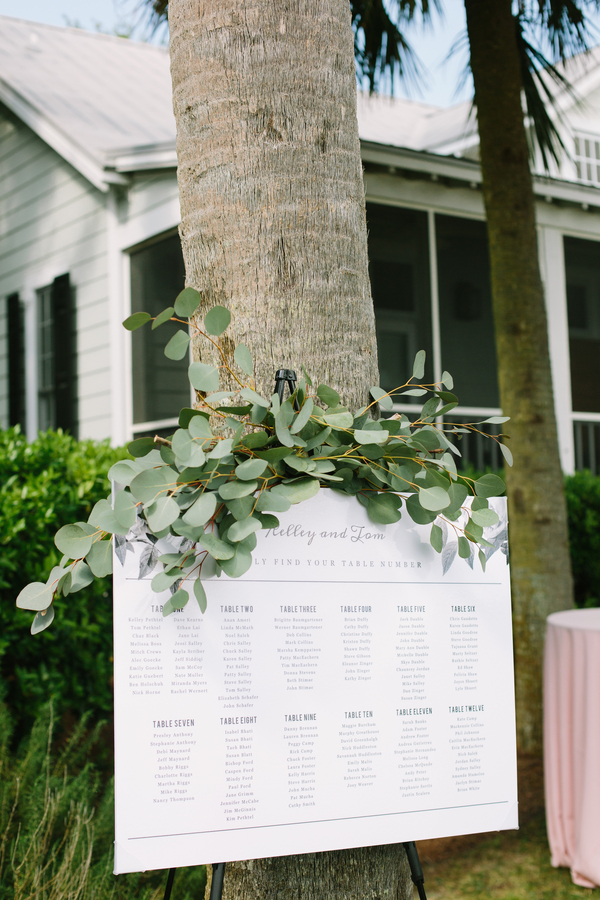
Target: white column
x=435, y=300
x=552, y=265
x=120, y=383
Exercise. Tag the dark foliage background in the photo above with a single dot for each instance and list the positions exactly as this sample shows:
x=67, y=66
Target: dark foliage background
x=43, y=485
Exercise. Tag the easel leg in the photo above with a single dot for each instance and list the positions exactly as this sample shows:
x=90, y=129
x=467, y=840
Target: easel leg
x=216, y=888
x=169, y=886
x=415, y=868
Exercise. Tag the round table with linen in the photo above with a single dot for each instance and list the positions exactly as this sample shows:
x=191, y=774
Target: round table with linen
x=572, y=742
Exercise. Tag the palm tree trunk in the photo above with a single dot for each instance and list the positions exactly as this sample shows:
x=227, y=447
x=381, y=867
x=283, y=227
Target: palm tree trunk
x=540, y=562
x=270, y=182
x=273, y=227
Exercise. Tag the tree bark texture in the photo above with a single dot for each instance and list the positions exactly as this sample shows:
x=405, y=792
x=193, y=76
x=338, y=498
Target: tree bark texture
x=371, y=873
x=273, y=227
x=540, y=561
x=270, y=182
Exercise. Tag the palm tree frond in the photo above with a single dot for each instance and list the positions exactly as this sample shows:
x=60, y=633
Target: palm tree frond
x=543, y=83
x=380, y=47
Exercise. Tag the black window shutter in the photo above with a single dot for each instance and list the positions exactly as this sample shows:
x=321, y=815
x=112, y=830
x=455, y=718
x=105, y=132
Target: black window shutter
x=65, y=387
x=16, y=361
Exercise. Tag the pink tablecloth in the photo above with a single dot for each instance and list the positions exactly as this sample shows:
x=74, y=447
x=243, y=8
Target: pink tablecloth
x=572, y=742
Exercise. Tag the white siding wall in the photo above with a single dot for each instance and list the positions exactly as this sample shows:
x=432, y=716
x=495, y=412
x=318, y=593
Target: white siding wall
x=53, y=221
x=151, y=208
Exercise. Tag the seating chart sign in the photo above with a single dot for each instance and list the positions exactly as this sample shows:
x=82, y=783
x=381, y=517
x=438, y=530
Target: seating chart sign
x=353, y=688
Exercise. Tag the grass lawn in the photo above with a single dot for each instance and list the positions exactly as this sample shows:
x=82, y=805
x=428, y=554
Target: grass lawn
x=509, y=865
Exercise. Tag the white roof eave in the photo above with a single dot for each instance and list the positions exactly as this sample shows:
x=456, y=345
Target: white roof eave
x=89, y=167
x=470, y=172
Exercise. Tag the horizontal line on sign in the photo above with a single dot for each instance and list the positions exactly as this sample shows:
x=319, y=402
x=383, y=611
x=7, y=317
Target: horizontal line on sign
x=408, y=812
x=326, y=581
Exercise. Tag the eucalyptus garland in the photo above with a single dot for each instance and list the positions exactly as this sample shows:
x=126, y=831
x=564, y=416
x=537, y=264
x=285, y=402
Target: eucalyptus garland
x=238, y=459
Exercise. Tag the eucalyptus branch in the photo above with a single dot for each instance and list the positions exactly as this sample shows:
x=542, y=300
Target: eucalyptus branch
x=201, y=494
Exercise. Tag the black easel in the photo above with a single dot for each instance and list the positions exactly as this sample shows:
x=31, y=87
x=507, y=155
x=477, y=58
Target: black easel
x=283, y=377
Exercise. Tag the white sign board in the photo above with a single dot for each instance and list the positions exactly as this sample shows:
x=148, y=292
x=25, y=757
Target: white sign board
x=345, y=692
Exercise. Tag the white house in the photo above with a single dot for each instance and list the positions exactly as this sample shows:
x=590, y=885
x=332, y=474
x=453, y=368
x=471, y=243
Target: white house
x=88, y=233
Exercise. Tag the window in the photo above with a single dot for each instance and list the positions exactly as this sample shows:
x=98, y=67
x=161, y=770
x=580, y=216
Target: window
x=399, y=271
x=56, y=364
x=160, y=385
x=466, y=320
x=587, y=159
x=582, y=269
x=402, y=244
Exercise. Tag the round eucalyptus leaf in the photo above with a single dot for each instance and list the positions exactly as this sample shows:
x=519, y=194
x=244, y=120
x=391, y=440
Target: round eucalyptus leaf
x=383, y=398
x=176, y=601
x=199, y=428
x=464, y=548
x=123, y=472
x=35, y=596
x=178, y=346
x=384, y=508
x=268, y=521
x=81, y=577
x=343, y=419
x=417, y=513
x=243, y=358
x=272, y=502
x=141, y=446
x=179, y=599
x=221, y=449
x=216, y=320
x=434, y=498
x=163, y=581
x=329, y=397
x=187, y=302
x=368, y=436
x=202, y=510
x=55, y=577
x=251, y=469
x=484, y=517
x=99, y=558
x=204, y=377
x=42, y=620
x=298, y=490
x=240, y=530
x=106, y=520
x=136, y=321
x=163, y=317
x=489, y=486
x=152, y=483
x=253, y=397
x=238, y=564
x=232, y=490
x=419, y=365
x=162, y=513
x=217, y=548
x=125, y=509
x=73, y=541
x=200, y=595
x=436, y=538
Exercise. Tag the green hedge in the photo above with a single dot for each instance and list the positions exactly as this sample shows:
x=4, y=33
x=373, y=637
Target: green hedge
x=583, y=505
x=44, y=485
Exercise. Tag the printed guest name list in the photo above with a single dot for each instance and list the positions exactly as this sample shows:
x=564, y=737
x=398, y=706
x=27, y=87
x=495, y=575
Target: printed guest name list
x=344, y=692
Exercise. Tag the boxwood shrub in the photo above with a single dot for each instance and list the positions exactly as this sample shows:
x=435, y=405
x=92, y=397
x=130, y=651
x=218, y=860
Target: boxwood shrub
x=43, y=485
